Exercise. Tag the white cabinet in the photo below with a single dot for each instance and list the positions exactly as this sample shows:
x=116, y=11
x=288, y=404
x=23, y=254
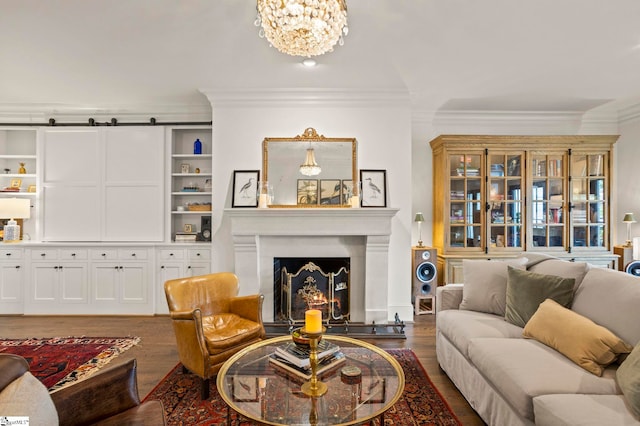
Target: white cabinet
x=11, y=281
x=103, y=184
x=57, y=282
x=120, y=281
x=179, y=262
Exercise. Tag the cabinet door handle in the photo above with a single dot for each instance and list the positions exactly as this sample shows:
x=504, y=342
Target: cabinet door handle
x=189, y=267
x=162, y=267
x=73, y=255
x=133, y=254
x=170, y=254
x=43, y=254
x=198, y=254
x=8, y=254
x=60, y=267
x=17, y=266
x=104, y=254
x=116, y=268
x=55, y=267
x=121, y=268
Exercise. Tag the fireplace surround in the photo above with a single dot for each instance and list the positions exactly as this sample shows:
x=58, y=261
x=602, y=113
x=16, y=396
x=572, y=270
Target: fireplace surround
x=362, y=235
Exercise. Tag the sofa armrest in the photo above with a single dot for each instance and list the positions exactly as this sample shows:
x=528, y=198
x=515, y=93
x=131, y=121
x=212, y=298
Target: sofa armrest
x=98, y=397
x=11, y=367
x=448, y=297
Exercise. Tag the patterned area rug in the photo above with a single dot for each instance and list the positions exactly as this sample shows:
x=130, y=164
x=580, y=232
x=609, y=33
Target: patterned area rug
x=421, y=403
x=59, y=361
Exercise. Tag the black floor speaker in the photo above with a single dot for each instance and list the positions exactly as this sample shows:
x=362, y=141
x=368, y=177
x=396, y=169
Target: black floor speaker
x=424, y=271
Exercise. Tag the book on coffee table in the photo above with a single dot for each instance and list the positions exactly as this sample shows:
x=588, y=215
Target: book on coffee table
x=326, y=365
x=298, y=355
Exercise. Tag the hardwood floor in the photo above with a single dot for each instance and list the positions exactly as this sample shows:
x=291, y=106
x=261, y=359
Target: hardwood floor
x=156, y=353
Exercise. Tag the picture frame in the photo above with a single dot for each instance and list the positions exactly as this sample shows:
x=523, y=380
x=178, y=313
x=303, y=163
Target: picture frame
x=374, y=188
x=244, y=388
x=188, y=228
x=31, y=188
x=15, y=183
x=245, y=188
x=330, y=192
x=372, y=390
x=307, y=192
x=185, y=168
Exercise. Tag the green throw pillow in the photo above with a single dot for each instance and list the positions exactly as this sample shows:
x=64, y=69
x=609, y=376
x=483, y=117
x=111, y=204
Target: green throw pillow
x=527, y=290
x=628, y=375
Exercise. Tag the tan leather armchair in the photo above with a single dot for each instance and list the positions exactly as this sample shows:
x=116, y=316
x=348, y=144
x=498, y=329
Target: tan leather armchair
x=211, y=321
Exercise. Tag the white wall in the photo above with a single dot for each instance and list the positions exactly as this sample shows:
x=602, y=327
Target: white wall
x=381, y=123
x=627, y=176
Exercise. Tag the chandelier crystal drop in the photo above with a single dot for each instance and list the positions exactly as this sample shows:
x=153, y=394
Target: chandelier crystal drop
x=310, y=167
x=303, y=27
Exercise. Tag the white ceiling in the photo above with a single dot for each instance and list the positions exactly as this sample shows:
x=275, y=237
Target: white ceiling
x=504, y=55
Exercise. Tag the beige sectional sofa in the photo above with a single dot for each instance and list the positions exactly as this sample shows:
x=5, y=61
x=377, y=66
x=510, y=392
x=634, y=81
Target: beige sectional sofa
x=551, y=377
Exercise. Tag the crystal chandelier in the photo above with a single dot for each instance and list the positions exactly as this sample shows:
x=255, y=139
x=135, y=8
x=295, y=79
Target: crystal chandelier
x=310, y=167
x=303, y=27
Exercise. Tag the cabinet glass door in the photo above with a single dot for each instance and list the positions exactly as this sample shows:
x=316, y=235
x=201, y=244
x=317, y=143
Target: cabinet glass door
x=589, y=197
x=465, y=193
x=548, y=200
x=505, y=200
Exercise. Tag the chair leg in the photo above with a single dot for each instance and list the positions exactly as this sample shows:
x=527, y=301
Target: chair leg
x=204, y=391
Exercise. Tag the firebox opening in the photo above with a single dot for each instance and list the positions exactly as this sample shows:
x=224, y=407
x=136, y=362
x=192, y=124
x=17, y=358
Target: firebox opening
x=311, y=283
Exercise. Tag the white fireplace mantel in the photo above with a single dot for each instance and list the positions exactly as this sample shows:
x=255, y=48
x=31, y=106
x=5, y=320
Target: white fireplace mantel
x=362, y=234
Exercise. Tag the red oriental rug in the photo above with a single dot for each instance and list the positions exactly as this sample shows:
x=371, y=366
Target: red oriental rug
x=420, y=404
x=59, y=361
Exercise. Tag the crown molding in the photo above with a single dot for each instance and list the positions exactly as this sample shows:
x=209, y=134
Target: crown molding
x=295, y=97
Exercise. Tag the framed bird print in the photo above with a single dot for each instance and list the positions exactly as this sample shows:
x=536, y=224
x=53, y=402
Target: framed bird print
x=374, y=188
x=245, y=188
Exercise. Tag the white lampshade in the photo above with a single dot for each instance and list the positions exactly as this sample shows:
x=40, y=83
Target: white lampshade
x=15, y=208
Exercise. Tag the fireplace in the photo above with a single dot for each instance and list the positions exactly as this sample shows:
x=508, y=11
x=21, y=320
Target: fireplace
x=362, y=235
x=317, y=283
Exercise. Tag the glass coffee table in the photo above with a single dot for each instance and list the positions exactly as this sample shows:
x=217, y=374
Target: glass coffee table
x=267, y=394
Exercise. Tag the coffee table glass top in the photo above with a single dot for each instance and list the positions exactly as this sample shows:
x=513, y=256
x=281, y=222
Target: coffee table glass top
x=268, y=394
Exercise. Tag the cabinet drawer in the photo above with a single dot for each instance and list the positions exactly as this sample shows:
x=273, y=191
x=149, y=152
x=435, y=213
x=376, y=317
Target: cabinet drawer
x=104, y=254
x=171, y=254
x=10, y=254
x=132, y=254
x=70, y=254
x=46, y=254
x=200, y=254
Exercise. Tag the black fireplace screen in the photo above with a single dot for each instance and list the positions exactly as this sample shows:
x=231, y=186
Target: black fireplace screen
x=309, y=287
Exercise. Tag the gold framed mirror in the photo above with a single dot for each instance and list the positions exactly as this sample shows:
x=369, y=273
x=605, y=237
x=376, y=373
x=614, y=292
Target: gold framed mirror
x=328, y=185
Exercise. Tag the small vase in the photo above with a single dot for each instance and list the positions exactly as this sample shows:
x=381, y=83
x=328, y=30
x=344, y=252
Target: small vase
x=197, y=147
x=22, y=170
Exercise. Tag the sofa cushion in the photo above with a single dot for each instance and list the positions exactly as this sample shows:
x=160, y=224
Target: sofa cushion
x=485, y=284
x=460, y=327
x=628, y=376
x=562, y=268
x=611, y=298
x=527, y=290
x=586, y=343
x=26, y=396
x=521, y=369
x=583, y=410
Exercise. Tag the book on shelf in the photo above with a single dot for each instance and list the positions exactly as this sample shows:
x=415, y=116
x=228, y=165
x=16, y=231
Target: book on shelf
x=325, y=365
x=299, y=355
x=186, y=236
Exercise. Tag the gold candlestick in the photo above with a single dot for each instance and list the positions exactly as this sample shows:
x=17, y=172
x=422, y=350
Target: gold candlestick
x=313, y=387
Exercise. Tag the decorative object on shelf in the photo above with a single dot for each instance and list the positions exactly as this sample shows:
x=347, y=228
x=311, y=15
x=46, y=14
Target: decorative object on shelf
x=199, y=207
x=628, y=219
x=313, y=330
x=12, y=209
x=355, y=194
x=207, y=185
x=31, y=188
x=197, y=170
x=307, y=191
x=188, y=228
x=245, y=188
x=310, y=167
x=330, y=192
x=265, y=194
x=185, y=168
x=303, y=27
x=15, y=183
x=22, y=170
x=205, y=228
x=419, y=219
x=374, y=188
x=7, y=171
x=197, y=147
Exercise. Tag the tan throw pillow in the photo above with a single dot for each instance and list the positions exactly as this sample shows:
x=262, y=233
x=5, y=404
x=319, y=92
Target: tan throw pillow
x=628, y=376
x=527, y=290
x=485, y=284
x=584, y=342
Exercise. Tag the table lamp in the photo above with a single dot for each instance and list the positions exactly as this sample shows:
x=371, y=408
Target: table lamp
x=419, y=218
x=628, y=219
x=12, y=209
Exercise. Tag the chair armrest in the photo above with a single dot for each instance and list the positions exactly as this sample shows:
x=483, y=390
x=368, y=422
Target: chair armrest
x=181, y=315
x=249, y=307
x=448, y=297
x=98, y=397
